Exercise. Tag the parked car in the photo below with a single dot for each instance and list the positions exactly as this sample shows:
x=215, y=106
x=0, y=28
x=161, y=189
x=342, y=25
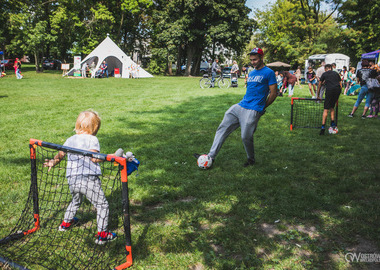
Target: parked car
x=52, y=64
x=226, y=72
x=203, y=71
x=8, y=63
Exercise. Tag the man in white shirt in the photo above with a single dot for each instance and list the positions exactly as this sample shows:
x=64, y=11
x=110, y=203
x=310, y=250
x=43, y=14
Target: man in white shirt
x=318, y=74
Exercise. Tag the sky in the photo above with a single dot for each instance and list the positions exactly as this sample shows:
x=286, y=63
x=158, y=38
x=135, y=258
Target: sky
x=253, y=4
x=260, y=4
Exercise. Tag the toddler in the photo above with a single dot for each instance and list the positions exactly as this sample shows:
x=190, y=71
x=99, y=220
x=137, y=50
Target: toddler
x=83, y=173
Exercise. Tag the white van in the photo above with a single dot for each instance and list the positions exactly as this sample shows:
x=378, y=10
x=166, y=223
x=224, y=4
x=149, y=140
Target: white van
x=339, y=59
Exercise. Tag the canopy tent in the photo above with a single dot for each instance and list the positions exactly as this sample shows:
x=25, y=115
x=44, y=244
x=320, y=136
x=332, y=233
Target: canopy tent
x=371, y=55
x=278, y=64
x=115, y=58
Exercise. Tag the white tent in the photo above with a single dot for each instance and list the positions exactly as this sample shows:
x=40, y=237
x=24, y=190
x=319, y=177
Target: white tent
x=115, y=58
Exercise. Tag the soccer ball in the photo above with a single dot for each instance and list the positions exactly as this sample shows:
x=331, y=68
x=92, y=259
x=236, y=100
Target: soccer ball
x=333, y=130
x=204, y=162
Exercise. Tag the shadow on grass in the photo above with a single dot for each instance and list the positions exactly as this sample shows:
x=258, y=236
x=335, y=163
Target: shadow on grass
x=301, y=180
x=303, y=203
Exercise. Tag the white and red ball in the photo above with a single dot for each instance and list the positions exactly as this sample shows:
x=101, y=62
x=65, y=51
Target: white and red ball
x=204, y=161
x=333, y=130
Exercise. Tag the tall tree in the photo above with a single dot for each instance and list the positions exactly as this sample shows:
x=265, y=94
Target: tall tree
x=291, y=30
x=185, y=28
x=362, y=18
x=31, y=30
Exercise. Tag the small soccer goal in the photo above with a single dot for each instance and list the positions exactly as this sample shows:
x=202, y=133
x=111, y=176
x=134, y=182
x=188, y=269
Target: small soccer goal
x=307, y=113
x=36, y=241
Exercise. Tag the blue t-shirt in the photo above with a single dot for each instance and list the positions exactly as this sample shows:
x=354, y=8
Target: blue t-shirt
x=258, y=89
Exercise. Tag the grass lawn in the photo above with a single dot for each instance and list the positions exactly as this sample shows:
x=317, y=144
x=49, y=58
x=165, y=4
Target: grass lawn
x=306, y=203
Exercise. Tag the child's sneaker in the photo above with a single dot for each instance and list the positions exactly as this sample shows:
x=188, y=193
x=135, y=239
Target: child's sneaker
x=67, y=225
x=104, y=237
x=370, y=116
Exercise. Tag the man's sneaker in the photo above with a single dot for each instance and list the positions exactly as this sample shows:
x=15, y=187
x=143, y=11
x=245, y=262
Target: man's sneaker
x=104, y=237
x=67, y=225
x=322, y=132
x=249, y=162
x=350, y=115
x=364, y=117
x=196, y=155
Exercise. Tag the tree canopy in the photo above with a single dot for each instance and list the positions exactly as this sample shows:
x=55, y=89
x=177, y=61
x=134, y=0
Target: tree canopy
x=172, y=30
x=185, y=32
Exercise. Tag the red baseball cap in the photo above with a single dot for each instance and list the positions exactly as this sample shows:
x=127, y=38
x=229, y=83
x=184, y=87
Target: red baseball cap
x=256, y=51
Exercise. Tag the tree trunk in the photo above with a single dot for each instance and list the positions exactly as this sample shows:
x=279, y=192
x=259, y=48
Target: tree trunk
x=36, y=61
x=197, y=64
x=189, y=56
x=179, y=62
x=170, y=71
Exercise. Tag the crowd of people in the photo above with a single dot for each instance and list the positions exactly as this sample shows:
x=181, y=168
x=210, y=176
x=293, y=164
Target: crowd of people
x=369, y=79
x=365, y=83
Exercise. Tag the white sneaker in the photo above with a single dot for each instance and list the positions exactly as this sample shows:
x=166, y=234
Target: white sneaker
x=313, y=97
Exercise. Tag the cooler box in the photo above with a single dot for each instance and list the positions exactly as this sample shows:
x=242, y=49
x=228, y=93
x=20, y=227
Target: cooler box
x=117, y=73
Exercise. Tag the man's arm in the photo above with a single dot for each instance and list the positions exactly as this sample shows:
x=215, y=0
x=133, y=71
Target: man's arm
x=272, y=94
x=319, y=89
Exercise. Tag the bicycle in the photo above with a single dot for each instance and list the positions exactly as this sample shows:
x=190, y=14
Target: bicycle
x=206, y=82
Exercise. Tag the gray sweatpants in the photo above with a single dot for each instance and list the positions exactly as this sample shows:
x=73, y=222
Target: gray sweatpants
x=91, y=187
x=234, y=117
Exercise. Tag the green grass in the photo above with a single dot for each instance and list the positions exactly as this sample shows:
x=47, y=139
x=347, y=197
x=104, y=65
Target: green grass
x=322, y=190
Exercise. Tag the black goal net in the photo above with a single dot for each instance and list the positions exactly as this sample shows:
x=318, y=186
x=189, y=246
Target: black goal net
x=307, y=113
x=41, y=240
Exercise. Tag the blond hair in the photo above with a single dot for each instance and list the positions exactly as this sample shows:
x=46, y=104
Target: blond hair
x=88, y=122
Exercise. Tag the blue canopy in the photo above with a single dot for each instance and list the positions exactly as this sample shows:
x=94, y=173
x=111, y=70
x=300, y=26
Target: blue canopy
x=371, y=55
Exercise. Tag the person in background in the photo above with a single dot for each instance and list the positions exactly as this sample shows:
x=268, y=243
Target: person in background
x=214, y=69
x=362, y=77
x=289, y=81
x=279, y=78
x=17, y=67
x=318, y=75
x=312, y=80
x=93, y=69
x=298, y=75
x=234, y=69
x=334, y=68
x=374, y=107
x=234, y=74
x=104, y=68
x=350, y=79
x=84, y=70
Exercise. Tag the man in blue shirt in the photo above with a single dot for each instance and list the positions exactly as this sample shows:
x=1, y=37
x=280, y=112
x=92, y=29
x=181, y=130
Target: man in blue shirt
x=261, y=92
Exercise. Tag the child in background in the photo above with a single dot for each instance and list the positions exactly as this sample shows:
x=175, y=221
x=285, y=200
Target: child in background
x=83, y=174
x=312, y=81
x=279, y=78
x=374, y=107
